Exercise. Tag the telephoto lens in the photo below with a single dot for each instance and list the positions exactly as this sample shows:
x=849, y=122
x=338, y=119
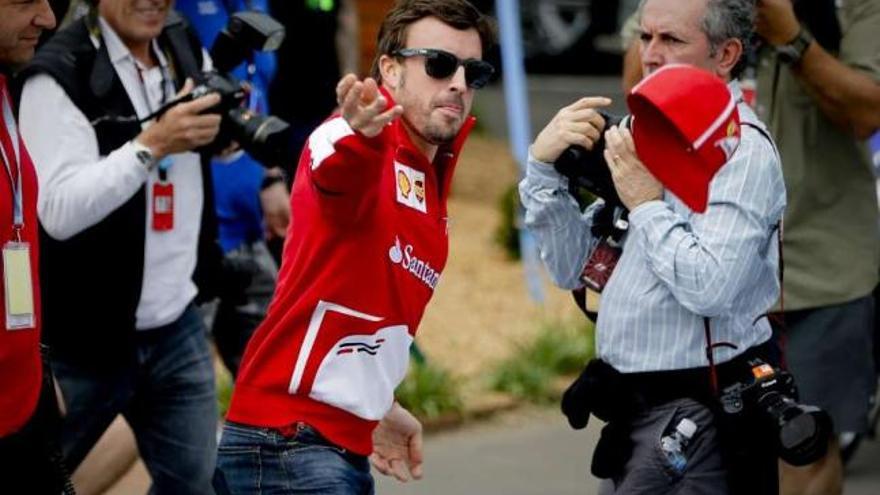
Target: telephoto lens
x=804, y=430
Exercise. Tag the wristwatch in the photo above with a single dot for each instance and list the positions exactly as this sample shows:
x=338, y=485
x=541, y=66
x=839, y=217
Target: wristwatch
x=793, y=52
x=144, y=155
x=272, y=177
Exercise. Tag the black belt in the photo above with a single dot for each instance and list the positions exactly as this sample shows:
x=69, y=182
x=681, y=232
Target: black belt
x=654, y=388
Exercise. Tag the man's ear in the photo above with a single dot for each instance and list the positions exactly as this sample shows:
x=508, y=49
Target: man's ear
x=390, y=69
x=729, y=54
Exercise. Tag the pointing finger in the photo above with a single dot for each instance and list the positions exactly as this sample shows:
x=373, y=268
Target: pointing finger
x=590, y=102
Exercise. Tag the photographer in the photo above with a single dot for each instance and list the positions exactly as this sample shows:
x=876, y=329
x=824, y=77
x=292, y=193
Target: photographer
x=818, y=88
x=128, y=215
x=682, y=276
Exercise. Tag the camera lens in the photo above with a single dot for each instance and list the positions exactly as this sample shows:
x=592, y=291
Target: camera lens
x=265, y=137
x=797, y=431
x=803, y=434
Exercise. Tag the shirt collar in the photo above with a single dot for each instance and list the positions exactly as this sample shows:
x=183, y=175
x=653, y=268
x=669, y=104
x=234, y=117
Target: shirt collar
x=117, y=50
x=735, y=90
x=746, y=113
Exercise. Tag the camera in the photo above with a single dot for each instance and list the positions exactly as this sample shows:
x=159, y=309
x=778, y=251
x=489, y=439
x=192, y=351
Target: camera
x=587, y=169
x=265, y=137
x=802, y=431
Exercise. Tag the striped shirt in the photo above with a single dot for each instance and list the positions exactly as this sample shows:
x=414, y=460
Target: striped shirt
x=677, y=266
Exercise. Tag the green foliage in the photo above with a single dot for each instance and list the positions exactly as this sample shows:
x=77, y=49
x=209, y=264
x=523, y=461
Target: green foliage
x=531, y=371
x=429, y=392
x=507, y=232
x=223, y=382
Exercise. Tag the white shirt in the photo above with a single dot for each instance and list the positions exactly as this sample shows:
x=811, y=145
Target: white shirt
x=79, y=188
x=677, y=266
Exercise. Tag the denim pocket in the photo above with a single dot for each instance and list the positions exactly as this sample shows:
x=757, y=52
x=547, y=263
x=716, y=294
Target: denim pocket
x=239, y=468
x=238, y=435
x=324, y=468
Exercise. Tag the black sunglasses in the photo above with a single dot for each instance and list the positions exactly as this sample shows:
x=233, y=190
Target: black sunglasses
x=441, y=64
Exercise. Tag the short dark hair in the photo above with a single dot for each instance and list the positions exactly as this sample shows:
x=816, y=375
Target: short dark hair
x=459, y=14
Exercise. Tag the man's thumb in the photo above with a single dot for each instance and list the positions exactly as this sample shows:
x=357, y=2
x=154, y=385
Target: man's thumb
x=188, y=86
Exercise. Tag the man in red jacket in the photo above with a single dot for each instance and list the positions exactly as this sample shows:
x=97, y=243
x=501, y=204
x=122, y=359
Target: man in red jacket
x=366, y=248
x=26, y=395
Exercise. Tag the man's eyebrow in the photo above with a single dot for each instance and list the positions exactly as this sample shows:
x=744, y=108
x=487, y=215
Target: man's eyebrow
x=662, y=34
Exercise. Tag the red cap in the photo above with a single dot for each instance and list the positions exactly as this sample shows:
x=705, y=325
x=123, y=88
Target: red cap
x=685, y=127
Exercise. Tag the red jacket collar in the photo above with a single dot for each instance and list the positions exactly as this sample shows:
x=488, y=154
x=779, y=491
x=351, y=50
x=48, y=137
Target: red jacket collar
x=447, y=155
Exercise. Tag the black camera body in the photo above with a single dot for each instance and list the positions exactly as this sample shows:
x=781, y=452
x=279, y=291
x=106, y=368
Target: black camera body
x=803, y=431
x=265, y=137
x=587, y=168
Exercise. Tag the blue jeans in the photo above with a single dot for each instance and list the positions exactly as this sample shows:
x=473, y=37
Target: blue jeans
x=261, y=460
x=166, y=395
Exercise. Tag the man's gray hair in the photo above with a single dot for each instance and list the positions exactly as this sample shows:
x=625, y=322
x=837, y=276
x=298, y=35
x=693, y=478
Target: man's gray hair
x=730, y=19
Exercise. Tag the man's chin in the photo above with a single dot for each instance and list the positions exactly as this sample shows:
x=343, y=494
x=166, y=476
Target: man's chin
x=442, y=136
x=20, y=57
x=445, y=132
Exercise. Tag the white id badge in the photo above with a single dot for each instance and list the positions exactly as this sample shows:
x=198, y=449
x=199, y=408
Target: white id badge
x=19, y=286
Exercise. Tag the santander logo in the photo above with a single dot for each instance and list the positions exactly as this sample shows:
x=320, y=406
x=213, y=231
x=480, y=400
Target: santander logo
x=418, y=268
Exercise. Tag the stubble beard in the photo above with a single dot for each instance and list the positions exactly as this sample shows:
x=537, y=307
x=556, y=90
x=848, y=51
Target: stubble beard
x=435, y=130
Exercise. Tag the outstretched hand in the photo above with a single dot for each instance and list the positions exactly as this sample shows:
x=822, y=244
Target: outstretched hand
x=363, y=106
x=397, y=445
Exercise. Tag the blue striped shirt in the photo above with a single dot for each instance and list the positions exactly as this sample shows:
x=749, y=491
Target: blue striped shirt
x=677, y=266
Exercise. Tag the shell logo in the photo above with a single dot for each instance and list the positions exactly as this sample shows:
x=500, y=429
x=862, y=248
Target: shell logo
x=732, y=128
x=403, y=184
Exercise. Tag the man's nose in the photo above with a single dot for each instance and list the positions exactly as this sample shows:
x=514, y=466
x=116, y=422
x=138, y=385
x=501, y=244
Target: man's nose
x=45, y=18
x=459, y=80
x=652, y=53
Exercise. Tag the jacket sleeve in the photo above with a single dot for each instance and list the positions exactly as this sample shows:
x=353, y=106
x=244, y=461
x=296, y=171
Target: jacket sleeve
x=344, y=165
x=78, y=187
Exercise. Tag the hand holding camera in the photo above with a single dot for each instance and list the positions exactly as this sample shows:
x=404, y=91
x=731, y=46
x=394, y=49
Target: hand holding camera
x=578, y=124
x=634, y=183
x=184, y=127
x=363, y=107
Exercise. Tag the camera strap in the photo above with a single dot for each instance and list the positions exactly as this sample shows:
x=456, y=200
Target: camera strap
x=710, y=350
x=183, y=47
